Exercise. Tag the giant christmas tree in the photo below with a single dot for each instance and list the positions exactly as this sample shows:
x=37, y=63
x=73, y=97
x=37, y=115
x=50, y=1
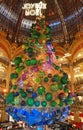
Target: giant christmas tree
x=38, y=92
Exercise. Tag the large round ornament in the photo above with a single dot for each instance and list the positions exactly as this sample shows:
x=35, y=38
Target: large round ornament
x=41, y=90
x=30, y=101
x=33, y=61
x=56, y=78
x=14, y=75
x=53, y=104
x=44, y=103
x=64, y=80
x=28, y=62
x=10, y=98
x=17, y=100
x=48, y=96
x=17, y=60
x=24, y=94
x=54, y=87
x=37, y=103
x=46, y=79
x=60, y=86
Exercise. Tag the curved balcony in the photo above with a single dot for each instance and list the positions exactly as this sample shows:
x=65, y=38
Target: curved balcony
x=78, y=62
x=78, y=82
x=74, y=63
x=78, y=105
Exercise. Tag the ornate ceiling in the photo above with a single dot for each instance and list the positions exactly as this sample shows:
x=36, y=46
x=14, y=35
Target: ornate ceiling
x=65, y=17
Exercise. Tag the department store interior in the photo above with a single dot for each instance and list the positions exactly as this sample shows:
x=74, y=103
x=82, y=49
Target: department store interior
x=65, y=18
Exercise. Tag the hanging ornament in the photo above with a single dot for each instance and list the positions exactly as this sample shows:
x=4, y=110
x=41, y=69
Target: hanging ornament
x=53, y=104
x=10, y=98
x=14, y=76
x=48, y=96
x=14, y=87
x=28, y=62
x=30, y=101
x=44, y=103
x=60, y=86
x=54, y=87
x=41, y=74
x=24, y=94
x=17, y=100
x=64, y=80
x=33, y=61
x=38, y=80
x=46, y=79
x=41, y=90
x=37, y=103
x=17, y=60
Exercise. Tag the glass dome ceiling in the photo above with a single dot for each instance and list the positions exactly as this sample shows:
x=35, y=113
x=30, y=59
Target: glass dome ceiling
x=65, y=18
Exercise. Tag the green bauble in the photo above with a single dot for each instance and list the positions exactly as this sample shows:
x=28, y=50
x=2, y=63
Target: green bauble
x=53, y=104
x=44, y=103
x=64, y=80
x=33, y=61
x=43, y=36
x=26, y=50
x=41, y=90
x=22, y=67
x=66, y=90
x=41, y=74
x=20, y=90
x=54, y=87
x=10, y=87
x=24, y=94
x=37, y=103
x=48, y=30
x=48, y=36
x=56, y=78
x=30, y=49
x=31, y=44
x=57, y=57
x=30, y=101
x=61, y=104
x=38, y=80
x=69, y=100
x=26, y=44
x=17, y=69
x=14, y=75
x=48, y=96
x=17, y=100
x=31, y=30
x=36, y=36
x=46, y=79
x=10, y=98
x=28, y=62
x=15, y=87
x=57, y=67
x=37, y=42
x=60, y=86
x=17, y=60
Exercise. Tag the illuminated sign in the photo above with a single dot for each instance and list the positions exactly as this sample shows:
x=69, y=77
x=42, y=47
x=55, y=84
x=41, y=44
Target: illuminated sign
x=34, y=9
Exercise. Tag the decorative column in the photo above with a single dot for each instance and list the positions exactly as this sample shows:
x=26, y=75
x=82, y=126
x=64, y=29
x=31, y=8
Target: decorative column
x=72, y=77
x=8, y=77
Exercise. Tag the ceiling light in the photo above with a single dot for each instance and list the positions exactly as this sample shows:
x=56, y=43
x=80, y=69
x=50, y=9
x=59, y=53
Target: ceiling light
x=80, y=98
x=2, y=68
x=79, y=75
x=77, y=68
x=12, y=63
x=67, y=55
x=79, y=55
x=4, y=90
